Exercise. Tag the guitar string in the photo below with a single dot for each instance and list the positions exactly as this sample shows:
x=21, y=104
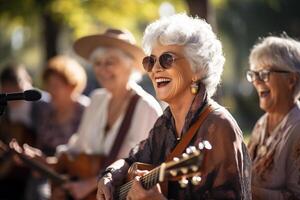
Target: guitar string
x=124, y=189
x=144, y=179
x=147, y=181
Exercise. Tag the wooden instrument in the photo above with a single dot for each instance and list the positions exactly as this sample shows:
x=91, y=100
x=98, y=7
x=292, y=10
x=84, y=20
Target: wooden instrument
x=78, y=167
x=68, y=167
x=22, y=134
x=179, y=169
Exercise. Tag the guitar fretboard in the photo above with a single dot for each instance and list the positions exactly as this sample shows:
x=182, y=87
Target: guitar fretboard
x=148, y=181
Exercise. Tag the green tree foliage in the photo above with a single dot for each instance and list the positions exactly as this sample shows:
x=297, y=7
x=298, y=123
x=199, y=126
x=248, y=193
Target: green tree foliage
x=48, y=18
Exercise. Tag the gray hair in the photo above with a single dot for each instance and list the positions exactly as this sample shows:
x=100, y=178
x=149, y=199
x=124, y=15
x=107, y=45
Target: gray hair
x=283, y=53
x=202, y=48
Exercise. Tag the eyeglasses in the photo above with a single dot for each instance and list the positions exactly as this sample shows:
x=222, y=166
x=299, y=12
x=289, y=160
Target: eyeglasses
x=262, y=75
x=165, y=60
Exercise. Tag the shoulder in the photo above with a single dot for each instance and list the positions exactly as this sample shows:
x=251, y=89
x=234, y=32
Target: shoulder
x=220, y=128
x=45, y=96
x=44, y=101
x=290, y=126
x=146, y=100
x=293, y=118
x=83, y=101
x=221, y=117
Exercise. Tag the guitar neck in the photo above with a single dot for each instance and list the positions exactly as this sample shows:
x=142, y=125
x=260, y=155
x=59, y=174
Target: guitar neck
x=148, y=181
x=36, y=165
x=43, y=169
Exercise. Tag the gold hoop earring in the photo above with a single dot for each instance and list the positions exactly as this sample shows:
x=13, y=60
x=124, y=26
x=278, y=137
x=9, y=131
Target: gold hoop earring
x=194, y=87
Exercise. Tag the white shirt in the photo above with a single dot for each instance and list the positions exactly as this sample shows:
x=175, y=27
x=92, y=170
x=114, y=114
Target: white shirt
x=91, y=137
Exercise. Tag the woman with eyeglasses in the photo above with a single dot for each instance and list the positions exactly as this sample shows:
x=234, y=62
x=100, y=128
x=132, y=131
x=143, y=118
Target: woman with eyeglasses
x=275, y=140
x=185, y=63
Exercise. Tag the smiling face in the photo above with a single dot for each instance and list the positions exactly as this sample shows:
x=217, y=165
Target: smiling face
x=276, y=93
x=112, y=69
x=171, y=84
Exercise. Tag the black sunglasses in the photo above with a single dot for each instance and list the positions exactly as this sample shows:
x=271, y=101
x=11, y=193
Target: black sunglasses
x=165, y=60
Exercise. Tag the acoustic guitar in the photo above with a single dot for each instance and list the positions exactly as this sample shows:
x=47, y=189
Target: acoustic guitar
x=23, y=134
x=68, y=168
x=179, y=169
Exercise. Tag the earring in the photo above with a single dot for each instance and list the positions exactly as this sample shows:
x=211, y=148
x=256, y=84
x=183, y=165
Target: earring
x=194, y=87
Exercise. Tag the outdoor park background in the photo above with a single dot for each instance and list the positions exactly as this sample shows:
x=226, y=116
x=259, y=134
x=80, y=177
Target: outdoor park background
x=31, y=31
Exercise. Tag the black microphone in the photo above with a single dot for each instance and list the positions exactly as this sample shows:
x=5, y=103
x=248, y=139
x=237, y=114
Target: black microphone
x=28, y=95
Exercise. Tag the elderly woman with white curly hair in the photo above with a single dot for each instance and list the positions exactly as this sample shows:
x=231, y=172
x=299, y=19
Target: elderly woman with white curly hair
x=185, y=63
x=275, y=141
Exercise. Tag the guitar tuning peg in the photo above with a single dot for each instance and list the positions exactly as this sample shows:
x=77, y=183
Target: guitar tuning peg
x=194, y=168
x=194, y=149
x=184, y=170
x=176, y=159
x=184, y=155
x=188, y=150
x=173, y=172
x=191, y=150
x=201, y=145
x=196, y=180
x=183, y=182
x=207, y=145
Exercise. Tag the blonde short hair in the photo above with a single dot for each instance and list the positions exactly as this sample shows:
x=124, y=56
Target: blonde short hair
x=68, y=69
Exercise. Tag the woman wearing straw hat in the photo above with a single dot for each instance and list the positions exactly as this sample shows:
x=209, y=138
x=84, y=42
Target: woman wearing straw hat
x=120, y=106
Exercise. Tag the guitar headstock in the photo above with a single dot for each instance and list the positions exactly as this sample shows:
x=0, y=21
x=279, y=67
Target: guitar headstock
x=185, y=167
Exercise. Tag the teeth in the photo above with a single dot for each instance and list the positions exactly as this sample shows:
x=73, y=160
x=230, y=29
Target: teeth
x=263, y=91
x=160, y=80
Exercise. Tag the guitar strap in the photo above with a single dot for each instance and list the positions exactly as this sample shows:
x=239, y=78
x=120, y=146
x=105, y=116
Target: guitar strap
x=122, y=132
x=186, y=139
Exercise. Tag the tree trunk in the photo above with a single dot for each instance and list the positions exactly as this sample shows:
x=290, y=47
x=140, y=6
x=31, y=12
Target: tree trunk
x=198, y=8
x=51, y=31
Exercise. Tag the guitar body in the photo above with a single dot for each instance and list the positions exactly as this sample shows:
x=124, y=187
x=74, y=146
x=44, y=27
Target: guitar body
x=79, y=167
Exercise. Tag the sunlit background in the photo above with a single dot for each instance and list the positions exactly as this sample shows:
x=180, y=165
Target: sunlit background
x=31, y=31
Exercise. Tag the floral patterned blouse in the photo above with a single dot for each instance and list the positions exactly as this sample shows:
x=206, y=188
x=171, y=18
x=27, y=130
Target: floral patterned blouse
x=276, y=158
x=225, y=171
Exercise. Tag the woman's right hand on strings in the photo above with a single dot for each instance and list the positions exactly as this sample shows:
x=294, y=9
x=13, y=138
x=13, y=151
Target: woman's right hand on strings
x=105, y=188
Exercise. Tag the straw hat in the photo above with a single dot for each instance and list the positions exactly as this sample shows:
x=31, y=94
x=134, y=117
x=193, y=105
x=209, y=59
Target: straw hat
x=123, y=40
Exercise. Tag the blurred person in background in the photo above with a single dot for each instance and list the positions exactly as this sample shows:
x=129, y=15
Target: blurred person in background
x=64, y=79
x=18, y=122
x=275, y=140
x=121, y=113
x=185, y=62
x=119, y=116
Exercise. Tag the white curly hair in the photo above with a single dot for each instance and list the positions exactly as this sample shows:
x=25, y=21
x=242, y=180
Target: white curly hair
x=202, y=48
